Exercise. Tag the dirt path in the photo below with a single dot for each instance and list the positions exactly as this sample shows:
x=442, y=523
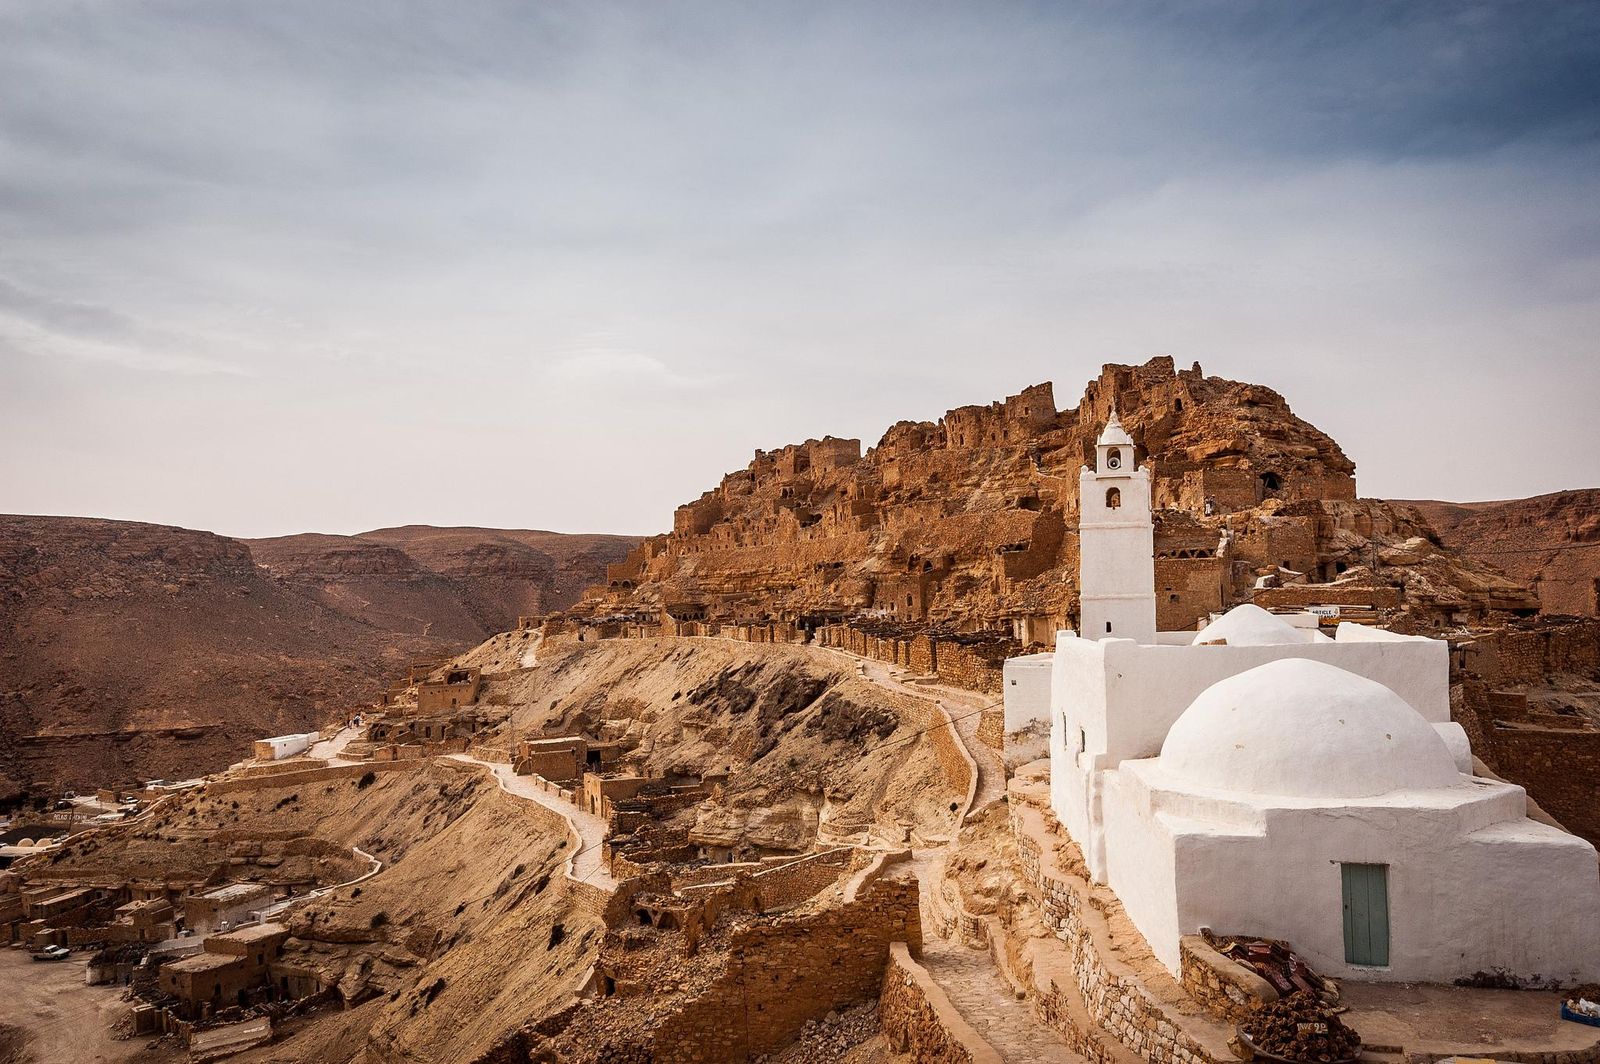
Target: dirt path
x=966, y=710
x=968, y=977
x=330, y=748
x=68, y=1021
x=588, y=866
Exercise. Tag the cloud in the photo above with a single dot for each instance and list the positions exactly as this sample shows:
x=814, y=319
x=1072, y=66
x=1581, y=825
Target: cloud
x=37, y=324
x=624, y=370
x=438, y=232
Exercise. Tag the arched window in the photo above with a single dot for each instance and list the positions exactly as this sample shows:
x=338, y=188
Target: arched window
x=1113, y=498
x=1114, y=458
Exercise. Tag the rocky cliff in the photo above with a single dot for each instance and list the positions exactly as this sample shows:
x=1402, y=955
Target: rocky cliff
x=130, y=649
x=1550, y=541
x=969, y=523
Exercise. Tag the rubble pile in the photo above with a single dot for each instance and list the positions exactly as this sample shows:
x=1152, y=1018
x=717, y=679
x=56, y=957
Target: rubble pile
x=1300, y=1028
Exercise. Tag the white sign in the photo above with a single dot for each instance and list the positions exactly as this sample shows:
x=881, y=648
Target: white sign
x=1323, y=611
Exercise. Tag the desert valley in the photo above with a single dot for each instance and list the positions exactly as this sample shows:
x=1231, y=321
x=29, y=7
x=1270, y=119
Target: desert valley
x=1124, y=730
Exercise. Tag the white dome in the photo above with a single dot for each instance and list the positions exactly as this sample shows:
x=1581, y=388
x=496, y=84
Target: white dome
x=1114, y=433
x=1305, y=729
x=1251, y=626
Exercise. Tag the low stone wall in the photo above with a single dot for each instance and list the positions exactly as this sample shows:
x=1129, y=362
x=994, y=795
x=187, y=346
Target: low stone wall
x=960, y=771
x=1103, y=1004
x=301, y=777
x=794, y=882
x=918, y=1019
x=992, y=729
x=1226, y=989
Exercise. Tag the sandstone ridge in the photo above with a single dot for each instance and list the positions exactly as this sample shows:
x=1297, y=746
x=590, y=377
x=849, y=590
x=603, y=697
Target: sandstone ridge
x=968, y=524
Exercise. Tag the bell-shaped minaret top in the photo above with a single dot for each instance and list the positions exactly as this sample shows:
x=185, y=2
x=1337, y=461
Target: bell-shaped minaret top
x=1114, y=449
x=1114, y=433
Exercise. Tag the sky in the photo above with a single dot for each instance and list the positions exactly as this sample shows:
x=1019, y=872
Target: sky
x=290, y=266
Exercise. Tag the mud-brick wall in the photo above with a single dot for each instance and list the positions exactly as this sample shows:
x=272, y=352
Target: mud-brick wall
x=1557, y=767
x=782, y=974
x=960, y=666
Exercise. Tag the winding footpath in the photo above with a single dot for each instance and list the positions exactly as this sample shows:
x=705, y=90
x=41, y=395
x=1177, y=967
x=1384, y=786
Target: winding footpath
x=588, y=865
x=969, y=976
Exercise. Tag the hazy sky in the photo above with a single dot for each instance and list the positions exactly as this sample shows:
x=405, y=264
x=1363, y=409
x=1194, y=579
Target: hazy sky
x=282, y=266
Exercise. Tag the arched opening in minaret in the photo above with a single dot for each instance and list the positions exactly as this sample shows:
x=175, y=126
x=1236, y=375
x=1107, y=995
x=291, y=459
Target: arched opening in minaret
x=1113, y=498
x=1114, y=458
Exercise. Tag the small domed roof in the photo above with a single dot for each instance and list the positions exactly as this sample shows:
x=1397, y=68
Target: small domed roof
x=1305, y=729
x=1251, y=626
x=1114, y=433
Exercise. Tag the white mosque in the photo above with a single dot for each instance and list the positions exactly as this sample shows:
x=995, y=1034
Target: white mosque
x=1259, y=777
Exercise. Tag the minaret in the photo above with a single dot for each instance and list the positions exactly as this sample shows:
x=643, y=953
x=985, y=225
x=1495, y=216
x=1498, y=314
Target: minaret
x=1116, y=543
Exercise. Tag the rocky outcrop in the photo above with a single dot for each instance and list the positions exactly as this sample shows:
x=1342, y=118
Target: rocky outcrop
x=969, y=523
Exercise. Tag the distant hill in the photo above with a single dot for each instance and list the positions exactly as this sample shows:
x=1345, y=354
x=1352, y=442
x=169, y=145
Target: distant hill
x=1550, y=541
x=459, y=584
x=131, y=649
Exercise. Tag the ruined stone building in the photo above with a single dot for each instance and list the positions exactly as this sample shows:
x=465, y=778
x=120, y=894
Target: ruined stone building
x=971, y=523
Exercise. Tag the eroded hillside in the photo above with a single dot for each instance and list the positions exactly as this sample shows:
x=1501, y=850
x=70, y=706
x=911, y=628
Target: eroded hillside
x=131, y=651
x=1550, y=541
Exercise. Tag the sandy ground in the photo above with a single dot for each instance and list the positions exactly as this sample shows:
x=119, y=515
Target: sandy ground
x=70, y=1023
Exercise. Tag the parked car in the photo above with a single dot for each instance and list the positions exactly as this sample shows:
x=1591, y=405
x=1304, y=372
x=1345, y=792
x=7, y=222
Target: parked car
x=53, y=953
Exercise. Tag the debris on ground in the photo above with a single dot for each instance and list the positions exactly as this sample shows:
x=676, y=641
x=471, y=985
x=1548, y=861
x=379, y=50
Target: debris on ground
x=1301, y=1028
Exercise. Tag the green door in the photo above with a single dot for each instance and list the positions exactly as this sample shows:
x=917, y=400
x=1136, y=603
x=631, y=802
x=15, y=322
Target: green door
x=1366, y=914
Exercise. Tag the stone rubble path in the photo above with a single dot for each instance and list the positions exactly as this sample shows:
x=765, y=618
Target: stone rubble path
x=591, y=829
x=968, y=977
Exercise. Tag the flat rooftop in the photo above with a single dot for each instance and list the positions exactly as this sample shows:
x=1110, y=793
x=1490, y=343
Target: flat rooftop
x=237, y=892
x=205, y=962
x=253, y=933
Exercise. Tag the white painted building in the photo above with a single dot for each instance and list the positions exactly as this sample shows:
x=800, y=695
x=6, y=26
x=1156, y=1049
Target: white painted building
x=1259, y=777
x=1025, y=686
x=281, y=746
x=1116, y=542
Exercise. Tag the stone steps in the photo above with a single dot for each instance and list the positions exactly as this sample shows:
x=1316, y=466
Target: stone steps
x=984, y=999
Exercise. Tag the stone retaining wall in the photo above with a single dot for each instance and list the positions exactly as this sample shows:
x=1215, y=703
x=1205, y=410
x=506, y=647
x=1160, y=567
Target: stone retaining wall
x=1114, y=1005
x=1226, y=989
x=310, y=775
x=918, y=1019
x=992, y=729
